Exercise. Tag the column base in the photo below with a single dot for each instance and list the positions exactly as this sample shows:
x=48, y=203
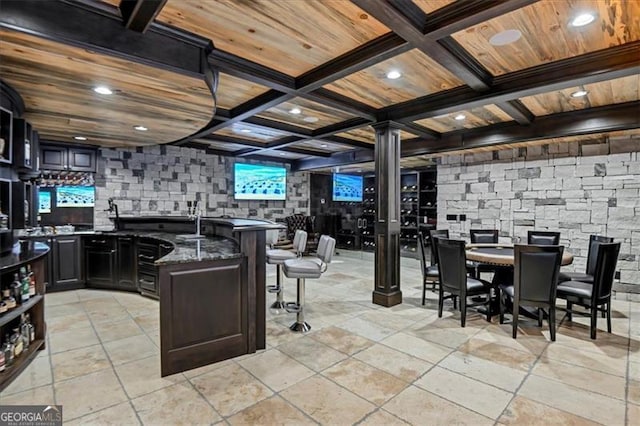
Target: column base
x=387, y=299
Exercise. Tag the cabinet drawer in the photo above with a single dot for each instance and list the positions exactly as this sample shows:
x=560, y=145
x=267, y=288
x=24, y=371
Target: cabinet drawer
x=100, y=243
x=147, y=282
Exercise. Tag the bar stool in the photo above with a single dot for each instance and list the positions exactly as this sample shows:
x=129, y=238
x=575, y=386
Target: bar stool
x=304, y=268
x=278, y=256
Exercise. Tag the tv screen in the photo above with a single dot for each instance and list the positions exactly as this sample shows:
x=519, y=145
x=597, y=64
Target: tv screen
x=255, y=182
x=44, y=201
x=347, y=187
x=75, y=196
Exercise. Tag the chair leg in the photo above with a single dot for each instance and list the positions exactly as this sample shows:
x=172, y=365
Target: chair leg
x=552, y=323
x=501, y=296
x=424, y=291
x=300, y=325
x=594, y=322
x=608, y=316
x=463, y=311
x=540, y=317
x=279, y=303
x=569, y=313
x=514, y=322
x=440, y=302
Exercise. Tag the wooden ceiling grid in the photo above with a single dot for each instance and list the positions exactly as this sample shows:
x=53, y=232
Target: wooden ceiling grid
x=331, y=59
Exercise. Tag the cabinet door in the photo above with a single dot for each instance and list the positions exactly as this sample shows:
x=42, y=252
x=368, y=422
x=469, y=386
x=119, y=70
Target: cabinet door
x=126, y=263
x=66, y=260
x=53, y=157
x=22, y=155
x=48, y=262
x=82, y=160
x=100, y=267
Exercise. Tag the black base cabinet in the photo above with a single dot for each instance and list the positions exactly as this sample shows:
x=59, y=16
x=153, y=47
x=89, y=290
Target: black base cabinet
x=100, y=261
x=126, y=269
x=64, y=264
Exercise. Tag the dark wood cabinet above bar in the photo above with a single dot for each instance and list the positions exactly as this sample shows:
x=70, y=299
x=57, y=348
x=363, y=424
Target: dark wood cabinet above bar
x=69, y=158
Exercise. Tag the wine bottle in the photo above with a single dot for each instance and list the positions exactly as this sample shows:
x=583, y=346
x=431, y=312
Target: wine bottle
x=32, y=281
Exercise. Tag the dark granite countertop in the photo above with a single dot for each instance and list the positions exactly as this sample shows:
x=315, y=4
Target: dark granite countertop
x=23, y=253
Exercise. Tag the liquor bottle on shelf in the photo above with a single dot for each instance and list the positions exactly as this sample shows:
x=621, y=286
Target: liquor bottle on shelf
x=2, y=361
x=32, y=281
x=4, y=220
x=24, y=331
x=3, y=307
x=16, y=288
x=32, y=329
x=24, y=280
x=7, y=348
x=17, y=342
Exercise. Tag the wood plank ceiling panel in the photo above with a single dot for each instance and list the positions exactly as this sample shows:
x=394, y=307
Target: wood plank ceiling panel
x=616, y=91
x=476, y=117
x=221, y=145
x=282, y=155
x=322, y=146
x=547, y=35
x=56, y=82
x=420, y=76
x=367, y=134
x=251, y=132
x=312, y=115
x=289, y=36
x=233, y=91
x=429, y=6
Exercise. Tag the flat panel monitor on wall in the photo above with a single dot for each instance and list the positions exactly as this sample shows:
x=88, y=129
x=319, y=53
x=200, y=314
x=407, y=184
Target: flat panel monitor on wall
x=75, y=196
x=44, y=202
x=347, y=187
x=256, y=182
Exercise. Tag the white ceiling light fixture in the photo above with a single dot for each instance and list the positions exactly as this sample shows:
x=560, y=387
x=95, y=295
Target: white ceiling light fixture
x=295, y=111
x=583, y=19
x=579, y=93
x=324, y=145
x=283, y=153
x=80, y=138
x=140, y=128
x=245, y=130
x=460, y=117
x=103, y=90
x=310, y=119
x=505, y=37
x=394, y=74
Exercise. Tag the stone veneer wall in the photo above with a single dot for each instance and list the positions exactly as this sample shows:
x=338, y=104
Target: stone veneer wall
x=575, y=188
x=159, y=180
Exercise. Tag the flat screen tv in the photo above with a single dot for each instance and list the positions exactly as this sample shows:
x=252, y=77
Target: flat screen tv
x=347, y=187
x=255, y=182
x=44, y=201
x=75, y=196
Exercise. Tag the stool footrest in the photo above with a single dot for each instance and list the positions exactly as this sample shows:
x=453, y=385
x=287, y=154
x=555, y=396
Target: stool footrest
x=292, y=307
x=273, y=289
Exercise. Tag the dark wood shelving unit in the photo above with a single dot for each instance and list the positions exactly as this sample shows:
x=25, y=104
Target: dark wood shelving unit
x=19, y=364
x=9, y=316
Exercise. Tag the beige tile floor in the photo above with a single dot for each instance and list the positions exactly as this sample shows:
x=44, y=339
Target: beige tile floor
x=360, y=363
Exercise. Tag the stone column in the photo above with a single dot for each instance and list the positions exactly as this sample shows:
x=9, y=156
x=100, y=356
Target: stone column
x=387, y=226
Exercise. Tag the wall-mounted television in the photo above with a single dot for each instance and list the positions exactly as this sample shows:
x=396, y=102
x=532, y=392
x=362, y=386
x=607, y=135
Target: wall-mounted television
x=347, y=187
x=255, y=182
x=44, y=202
x=75, y=196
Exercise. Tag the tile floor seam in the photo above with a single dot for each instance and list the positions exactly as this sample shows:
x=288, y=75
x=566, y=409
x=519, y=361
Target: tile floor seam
x=195, y=388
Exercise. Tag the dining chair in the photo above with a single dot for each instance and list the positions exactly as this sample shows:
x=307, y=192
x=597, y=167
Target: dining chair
x=597, y=296
x=429, y=272
x=592, y=257
x=483, y=236
x=455, y=281
x=543, y=238
x=535, y=276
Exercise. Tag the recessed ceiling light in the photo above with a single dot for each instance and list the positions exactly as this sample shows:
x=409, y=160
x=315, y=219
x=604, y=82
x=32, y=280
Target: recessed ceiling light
x=103, y=90
x=583, y=19
x=393, y=74
x=80, y=138
x=310, y=119
x=460, y=117
x=324, y=145
x=245, y=130
x=295, y=111
x=283, y=153
x=140, y=128
x=505, y=37
x=579, y=94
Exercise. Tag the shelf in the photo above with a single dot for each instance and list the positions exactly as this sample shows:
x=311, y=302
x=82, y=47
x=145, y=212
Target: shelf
x=20, y=363
x=9, y=316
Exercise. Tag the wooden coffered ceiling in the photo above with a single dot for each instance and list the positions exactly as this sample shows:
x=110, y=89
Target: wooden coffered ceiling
x=304, y=81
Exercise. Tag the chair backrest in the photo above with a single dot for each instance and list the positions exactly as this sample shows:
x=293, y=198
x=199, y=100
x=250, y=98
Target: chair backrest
x=605, y=270
x=272, y=236
x=543, y=238
x=433, y=234
x=484, y=236
x=326, y=247
x=452, y=265
x=536, y=270
x=297, y=221
x=592, y=256
x=422, y=256
x=299, y=241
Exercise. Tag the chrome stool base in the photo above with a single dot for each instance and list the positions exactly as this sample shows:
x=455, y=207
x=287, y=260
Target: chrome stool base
x=278, y=304
x=300, y=327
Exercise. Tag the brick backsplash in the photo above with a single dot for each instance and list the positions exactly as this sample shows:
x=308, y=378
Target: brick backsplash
x=159, y=180
x=576, y=188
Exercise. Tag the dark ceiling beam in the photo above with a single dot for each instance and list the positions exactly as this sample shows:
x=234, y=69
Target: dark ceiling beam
x=348, y=142
x=341, y=102
x=463, y=14
x=254, y=72
x=97, y=30
x=517, y=110
x=286, y=128
x=139, y=14
x=421, y=131
x=304, y=151
x=375, y=51
x=602, y=65
x=574, y=123
x=399, y=22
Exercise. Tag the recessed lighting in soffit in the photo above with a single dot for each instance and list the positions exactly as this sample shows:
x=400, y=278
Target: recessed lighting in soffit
x=460, y=117
x=579, y=94
x=140, y=128
x=505, y=37
x=103, y=90
x=295, y=111
x=80, y=138
x=583, y=19
x=310, y=119
x=394, y=74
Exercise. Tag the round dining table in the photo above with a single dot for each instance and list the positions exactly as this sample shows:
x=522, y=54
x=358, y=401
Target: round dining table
x=500, y=254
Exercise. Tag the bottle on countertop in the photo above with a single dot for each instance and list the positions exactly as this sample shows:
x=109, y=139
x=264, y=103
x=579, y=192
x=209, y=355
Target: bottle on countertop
x=32, y=281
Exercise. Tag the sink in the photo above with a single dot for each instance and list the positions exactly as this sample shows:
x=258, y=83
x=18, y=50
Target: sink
x=190, y=236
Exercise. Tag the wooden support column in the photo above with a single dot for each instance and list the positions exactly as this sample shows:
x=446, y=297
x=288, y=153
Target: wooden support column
x=387, y=227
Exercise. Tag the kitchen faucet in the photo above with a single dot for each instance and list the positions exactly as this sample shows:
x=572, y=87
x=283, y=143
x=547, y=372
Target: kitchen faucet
x=195, y=213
